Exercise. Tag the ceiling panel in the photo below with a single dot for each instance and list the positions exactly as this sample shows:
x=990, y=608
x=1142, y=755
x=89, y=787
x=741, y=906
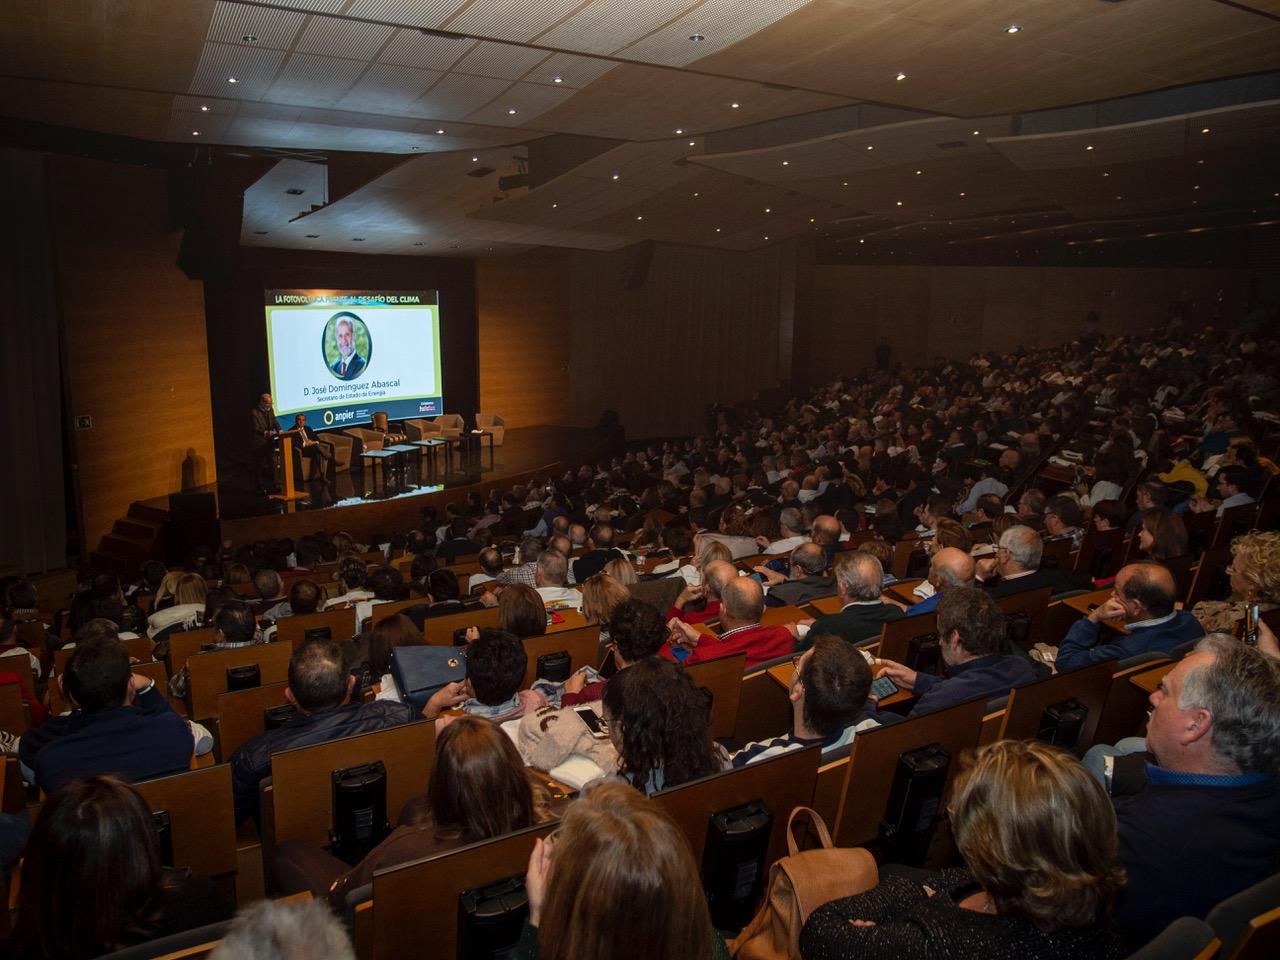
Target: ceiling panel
x=604, y=26
x=276, y=29
x=500, y=60
x=417, y=13
x=517, y=20
x=528, y=101
x=569, y=70
x=344, y=38
x=413, y=49
x=318, y=81
x=456, y=95
x=254, y=68
x=721, y=24
x=385, y=87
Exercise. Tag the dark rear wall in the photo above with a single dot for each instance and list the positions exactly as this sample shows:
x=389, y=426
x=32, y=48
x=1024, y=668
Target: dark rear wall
x=237, y=332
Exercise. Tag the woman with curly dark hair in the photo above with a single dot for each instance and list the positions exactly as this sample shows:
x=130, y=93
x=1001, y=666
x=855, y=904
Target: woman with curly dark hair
x=659, y=723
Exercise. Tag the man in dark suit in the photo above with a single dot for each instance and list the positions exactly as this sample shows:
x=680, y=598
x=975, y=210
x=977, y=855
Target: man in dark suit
x=1016, y=567
x=307, y=444
x=600, y=550
x=265, y=431
x=859, y=583
x=349, y=364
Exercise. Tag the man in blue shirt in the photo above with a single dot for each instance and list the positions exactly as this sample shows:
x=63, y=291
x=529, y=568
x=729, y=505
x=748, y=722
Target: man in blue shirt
x=950, y=569
x=976, y=655
x=1204, y=821
x=1143, y=600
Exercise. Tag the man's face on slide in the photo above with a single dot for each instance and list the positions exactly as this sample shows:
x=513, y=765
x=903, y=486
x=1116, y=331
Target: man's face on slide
x=345, y=338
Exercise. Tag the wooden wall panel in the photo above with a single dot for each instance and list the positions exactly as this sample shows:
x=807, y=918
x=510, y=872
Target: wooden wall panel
x=523, y=305
x=134, y=332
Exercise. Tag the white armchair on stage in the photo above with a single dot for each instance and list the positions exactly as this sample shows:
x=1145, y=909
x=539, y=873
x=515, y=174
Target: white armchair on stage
x=450, y=424
x=492, y=423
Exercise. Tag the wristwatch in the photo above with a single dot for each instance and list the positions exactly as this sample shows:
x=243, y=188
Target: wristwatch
x=148, y=688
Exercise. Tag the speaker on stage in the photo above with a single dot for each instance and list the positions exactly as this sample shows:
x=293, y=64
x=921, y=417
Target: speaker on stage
x=193, y=522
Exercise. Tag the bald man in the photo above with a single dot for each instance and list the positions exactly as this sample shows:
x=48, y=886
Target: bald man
x=742, y=606
x=804, y=580
x=714, y=577
x=950, y=568
x=826, y=534
x=1143, y=601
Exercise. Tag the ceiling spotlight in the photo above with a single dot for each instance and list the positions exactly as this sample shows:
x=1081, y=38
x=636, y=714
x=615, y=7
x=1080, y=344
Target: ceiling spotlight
x=1196, y=187
x=475, y=159
x=813, y=220
x=557, y=79
x=695, y=193
x=614, y=177
x=735, y=105
x=232, y=80
x=1106, y=174
x=1199, y=163
x=1013, y=28
x=1089, y=147
x=1118, y=197
x=204, y=108
x=786, y=163
x=901, y=76
x=697, y=37
x=977, y=133
x=692, y=142
x=899, y=203
x=679, y=131
x=766, y=236
x=862, y=241
x=918, y=172
x=1204, y=129
x=870, y=148
x=717, y=229
x=554, y=205
x=639, y=218
x=195, y=133
x=440, y=132
x=962, y=193
x=511, y=111
x=845, y=184
x=768, y=210
x=249, y=38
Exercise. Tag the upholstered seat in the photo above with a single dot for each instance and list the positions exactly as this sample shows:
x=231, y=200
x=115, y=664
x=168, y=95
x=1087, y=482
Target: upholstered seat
x=494, y=424
x=421, y=429
x=450, y=424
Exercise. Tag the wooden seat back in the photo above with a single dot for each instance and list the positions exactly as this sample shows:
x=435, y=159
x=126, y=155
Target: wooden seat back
x=19, y=664
x=782, y=783
x=1125, y=710
x=1027, y=704
x=582, y=645
x=1209, y=577
x=764, y=709
x=400, y=893
x=1101, y=552
x=15, y=715
x=1033, y=605
x=438, y=631
x=139, y=649
x=784, y=614
x=874, y=761
x=240, y=714
x=341, y=624
x=209, y=672
x=201, y=818
x=380, y=611
x=302, y=798
x=723, y=678
x=183, y=645
x=896, y=636
x=1057, y=553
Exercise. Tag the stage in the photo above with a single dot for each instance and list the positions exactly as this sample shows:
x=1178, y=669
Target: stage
x=352, y=502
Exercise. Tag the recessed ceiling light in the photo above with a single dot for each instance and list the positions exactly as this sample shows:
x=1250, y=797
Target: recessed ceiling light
x=862, y=241
x=1204, y=129
x=195, y=133
x=557, y=79
x=554, y=205
x=899, y=203
x=204, y=108
x=695, y=193
x=1199, y=163
x=870, y=148
x=1196, y=187
x=1118, y=197
x=768, y=210
x=1106, y=174
x=475, y=159
x=640, y=218
x=1089, y=147
x=511, y=111
x=696, y=37
x=734, y=105
x=786, y=163
x=717, y=229
x=614, y=177
x=918, y=172
x=901, y=76
x=766, y=236
x=962, y=193
x=1013, y=28
x=233, y=80
x=846, y=183
x=440, y=132
x=692, y=142
x=249, y=38
x=813, y=220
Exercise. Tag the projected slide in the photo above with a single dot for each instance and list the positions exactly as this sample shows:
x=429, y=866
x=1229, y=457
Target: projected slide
x=340, y=355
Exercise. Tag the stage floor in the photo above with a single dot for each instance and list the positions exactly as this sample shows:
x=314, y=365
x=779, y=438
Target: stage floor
x=338, y=502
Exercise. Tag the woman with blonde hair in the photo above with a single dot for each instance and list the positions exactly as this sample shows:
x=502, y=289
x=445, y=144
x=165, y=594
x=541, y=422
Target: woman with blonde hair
x=1255, y=578
x=617, y=880
x=1038, y=835
x=601, y=595
x=188, y=592
x=621, y=570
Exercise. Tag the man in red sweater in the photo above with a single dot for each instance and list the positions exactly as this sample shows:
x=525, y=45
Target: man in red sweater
x=714, y=576
x=742, y=606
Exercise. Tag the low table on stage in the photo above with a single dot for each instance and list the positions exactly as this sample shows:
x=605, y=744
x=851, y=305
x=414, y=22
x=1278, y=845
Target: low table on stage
x=480, y=436
x=378, y=460
x=402, y=463
x=427, y=449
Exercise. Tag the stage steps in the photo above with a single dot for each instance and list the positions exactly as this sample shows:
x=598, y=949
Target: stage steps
x=136, y=537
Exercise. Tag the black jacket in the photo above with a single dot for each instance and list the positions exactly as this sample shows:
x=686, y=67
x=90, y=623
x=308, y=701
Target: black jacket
x=251, y=763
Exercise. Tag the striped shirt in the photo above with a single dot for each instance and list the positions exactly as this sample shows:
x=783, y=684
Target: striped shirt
x=775, y=747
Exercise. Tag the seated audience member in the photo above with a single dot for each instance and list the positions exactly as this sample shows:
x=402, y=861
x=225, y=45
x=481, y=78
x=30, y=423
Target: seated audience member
x=677, y=539
x=622, y=570
x=826, y=534
x=1109, y=515
x=520, y=612
x=479, y=788
x=1063, y=518
x=988, y=484
x=285, y=930
x=234, y=626
x=1144, y=602
x=828, y=702
x=1198, y=824
x=553, y=569
x=386, y=635
x=1031, y=509
x=10, y=647
x=1255, y=579
x=804, y=580
x=950, y=569
x=600, y=550
x=459, y=543
x=1162, y=535
x=188, y=593
x=496, y=662
x=320, y=688
x=1147, y=496
x=741, y=630
x=791, y=533
x=351, y=576
x=714, y=576
x=951, y=533
x=863, y=614
x=705, y=551
x=601, y=595
x=304, y=598
x=636, y=630
x=119, y=724
x=1231, y=483
x=975, y=653
x=734, y=533
x=1039, y=841
x=491, y=565
x=270, y=591
x=1016, y=567
x=988, y=510
x=616, y=863
x=660, y=724
x=443, y=597
x=92, y=881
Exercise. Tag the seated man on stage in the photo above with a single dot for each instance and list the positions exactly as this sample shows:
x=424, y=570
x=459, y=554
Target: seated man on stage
x=307, y=444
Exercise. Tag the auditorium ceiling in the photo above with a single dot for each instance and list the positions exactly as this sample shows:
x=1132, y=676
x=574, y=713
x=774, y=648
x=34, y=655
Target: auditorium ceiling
x=497, y=125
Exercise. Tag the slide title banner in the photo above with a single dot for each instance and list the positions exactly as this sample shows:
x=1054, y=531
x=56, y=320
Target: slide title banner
x=338, y=356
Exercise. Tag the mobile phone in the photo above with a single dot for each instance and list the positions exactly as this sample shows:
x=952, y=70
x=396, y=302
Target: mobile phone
x=681, y=653
x=882, y=687
x=595, y=723
x=1251, y=616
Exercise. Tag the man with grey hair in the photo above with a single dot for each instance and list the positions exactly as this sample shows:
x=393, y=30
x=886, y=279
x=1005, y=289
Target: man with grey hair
x=550, y=576
x=1201, y=822
x=950, y=569
x=859, y=583
x=742, y=607
x=1016, y=567
x=715, y=575
x=791, y=522
x=276, y=930
x=526, y=570
x=805, y=579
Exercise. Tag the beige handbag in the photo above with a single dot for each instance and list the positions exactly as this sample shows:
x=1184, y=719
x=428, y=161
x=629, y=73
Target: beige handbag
x=798, y=884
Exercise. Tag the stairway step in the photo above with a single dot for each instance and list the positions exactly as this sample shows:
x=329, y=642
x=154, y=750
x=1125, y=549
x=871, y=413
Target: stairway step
x=141, y=511
x=141, y=530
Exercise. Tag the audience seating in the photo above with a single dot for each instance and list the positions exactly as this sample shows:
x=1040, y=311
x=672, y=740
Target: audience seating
x=1125, y=711
x=1027, y=613
x=201, y=818
x=15, y=715
x=723, y=679
x=419, y=429
x=1089, y=686
x=897, y=636
x=438, y=631
x=1185, y=939
x=582, y=645
x=209, y=672
x=341, y=623
x=380, y=611
x=1057, y=554
x=1100, y=553
x=192, y=944
x=764, y=710
x=240, y=714
x=183, y=645
x=1238, y=920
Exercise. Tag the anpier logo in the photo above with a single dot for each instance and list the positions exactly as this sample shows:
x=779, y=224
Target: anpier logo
x=330, y=418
